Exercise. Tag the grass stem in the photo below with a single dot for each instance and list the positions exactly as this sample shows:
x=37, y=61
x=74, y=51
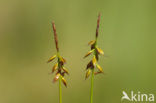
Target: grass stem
x=60, y=91
x=92, y=85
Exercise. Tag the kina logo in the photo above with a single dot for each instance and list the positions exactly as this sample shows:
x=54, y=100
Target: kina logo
x=137, y=97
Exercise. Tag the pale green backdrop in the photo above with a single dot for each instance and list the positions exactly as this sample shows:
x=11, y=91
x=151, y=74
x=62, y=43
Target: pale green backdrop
x=127, y=35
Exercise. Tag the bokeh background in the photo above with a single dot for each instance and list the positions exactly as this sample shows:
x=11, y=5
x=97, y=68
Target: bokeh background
x=127, y=35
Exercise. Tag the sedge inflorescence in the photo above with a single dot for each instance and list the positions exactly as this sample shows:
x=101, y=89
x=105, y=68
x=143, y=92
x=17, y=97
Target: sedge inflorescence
x=59, y=66
x=96, y=51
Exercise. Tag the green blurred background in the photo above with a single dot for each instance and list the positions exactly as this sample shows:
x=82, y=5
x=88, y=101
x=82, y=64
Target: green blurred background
x=127, y=35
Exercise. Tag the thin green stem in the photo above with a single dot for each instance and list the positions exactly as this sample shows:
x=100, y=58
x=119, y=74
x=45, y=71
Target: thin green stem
x=60, y=91
x=92, y=85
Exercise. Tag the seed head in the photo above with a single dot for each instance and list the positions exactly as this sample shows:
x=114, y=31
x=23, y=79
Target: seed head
x=96, y=52
x=59, y=66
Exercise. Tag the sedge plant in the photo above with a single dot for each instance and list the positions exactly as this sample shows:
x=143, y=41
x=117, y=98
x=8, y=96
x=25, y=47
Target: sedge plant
x=95, y=51
x=59, y=66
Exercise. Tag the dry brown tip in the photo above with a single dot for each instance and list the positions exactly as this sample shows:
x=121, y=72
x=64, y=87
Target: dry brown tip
x=55, y=36
x=98, y=23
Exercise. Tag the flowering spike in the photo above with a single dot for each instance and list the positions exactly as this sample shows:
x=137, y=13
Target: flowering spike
x=94, y=62
x=59, y=66
x=96, y=51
